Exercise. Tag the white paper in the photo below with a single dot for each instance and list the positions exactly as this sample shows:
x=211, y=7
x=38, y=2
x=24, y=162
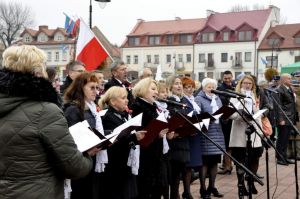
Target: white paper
x=84, y=138
x=259, y=113
x=190, y=114
x=103, y=112
x=135, y=121
x=161, y=117
x=206, y=122
x=217, y=116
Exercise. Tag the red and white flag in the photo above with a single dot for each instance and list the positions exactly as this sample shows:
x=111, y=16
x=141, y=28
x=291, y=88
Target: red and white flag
x=89, y=50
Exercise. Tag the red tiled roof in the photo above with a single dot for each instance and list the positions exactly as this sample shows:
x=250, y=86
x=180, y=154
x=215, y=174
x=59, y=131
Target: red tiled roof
x=168, y=27
x=44, y=29
x=233, y=20
x=286, y=31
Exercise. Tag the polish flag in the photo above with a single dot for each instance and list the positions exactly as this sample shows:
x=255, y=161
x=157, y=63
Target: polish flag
x=89, y=50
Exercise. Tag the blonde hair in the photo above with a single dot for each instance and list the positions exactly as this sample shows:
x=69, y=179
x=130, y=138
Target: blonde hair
x=239, y=85
x=142, y=87
x=162, y=86
x=112, y=93
x=25, y=58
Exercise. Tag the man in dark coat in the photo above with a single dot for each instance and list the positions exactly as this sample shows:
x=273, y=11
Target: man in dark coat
x=227, y=83
x=73, y=68
x=286, y=100
x=119, y=78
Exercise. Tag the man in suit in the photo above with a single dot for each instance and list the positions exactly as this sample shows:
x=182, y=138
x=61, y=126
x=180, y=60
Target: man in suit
x=286, y=99
x=119, y=78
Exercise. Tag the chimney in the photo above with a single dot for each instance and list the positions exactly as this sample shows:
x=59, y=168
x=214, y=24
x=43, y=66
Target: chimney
x=140, y=20
x=210, y=12
x=43, y=27
x=177, y=18
x=275, y=14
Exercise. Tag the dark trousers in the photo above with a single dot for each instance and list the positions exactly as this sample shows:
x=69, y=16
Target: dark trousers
x=177, y=170
x=284, y=132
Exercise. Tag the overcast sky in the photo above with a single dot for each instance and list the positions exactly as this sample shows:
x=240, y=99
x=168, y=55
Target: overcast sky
x=118, y=18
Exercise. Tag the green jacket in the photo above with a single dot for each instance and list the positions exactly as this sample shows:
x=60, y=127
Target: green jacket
x=37, y=151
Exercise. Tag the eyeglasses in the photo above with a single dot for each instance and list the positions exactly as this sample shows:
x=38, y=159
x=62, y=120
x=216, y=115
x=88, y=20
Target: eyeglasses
x=79, y=71
x=94, y=88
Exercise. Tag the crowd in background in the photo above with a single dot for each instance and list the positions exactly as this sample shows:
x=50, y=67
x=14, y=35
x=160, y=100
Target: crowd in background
x=38, y=154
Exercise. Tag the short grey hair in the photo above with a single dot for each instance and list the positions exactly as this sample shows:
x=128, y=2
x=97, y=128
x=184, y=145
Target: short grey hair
x=207, y=80
x=114, y=66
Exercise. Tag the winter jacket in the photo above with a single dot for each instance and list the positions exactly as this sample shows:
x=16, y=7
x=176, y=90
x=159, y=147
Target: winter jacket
x=214, y=130
x=37, y=151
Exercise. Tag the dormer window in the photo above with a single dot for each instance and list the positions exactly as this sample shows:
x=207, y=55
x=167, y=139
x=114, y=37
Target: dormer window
x=297, y=40
x=208, y=37
x=154, y=40
x=245, y=35
x=42, y=37
x=27, y=38
x=273, y=42
x=225, y=36
x=134, y=41
x=185, y=39
x=169, y=39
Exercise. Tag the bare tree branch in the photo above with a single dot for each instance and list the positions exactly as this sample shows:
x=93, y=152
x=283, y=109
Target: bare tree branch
x=14, y=17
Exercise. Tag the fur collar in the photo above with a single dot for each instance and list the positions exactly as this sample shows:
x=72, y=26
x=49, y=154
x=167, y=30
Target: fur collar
x=20, y=84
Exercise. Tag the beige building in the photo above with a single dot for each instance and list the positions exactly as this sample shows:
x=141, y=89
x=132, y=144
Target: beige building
x=203, y=47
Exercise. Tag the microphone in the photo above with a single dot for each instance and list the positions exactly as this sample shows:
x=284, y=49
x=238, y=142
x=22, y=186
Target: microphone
x=172, y=102
x=236, y=93
x=270, y=90
x=224, y=93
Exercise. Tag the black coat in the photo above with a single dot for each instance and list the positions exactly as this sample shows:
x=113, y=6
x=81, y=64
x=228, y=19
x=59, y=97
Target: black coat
x=286, y=100
x=84, y=187
x=180, y=147
x=152, y=170
x=68, y=81
x=114, y=82
x=121, y=183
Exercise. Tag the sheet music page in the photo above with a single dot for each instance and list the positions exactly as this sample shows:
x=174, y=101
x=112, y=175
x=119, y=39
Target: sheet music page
x=135, y=121
x=103, y=112
x=259, y=113
x=84, y=138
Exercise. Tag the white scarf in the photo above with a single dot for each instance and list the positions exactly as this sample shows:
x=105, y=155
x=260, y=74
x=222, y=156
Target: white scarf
x=248, y=101
x=213, y=104
x=165, y=144
x=196, y=108
x=134, y=160
x=101, y=156
x=67, y=188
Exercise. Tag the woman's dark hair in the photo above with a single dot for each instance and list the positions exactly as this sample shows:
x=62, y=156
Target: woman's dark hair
x=75, y=94
x=51, y=74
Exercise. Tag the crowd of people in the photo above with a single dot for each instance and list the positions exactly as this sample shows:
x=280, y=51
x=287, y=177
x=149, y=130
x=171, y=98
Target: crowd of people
x=38, y=154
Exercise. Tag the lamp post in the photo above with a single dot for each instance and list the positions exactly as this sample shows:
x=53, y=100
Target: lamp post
x=91, y=8
x=274, y=43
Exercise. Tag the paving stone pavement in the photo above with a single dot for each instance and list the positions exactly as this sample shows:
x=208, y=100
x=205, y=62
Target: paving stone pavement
x=281, y=176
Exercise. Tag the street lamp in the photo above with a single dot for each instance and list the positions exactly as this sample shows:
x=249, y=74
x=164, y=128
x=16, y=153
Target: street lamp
x=100, y=2
x=275, y=43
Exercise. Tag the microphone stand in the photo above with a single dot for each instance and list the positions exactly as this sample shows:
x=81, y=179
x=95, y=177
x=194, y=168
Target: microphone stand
x=250, y=173
x=266, y=143
x=295, y=150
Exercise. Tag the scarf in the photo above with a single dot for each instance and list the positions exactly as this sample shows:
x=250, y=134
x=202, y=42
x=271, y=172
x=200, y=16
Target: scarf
x=191, y=99
x=101, y=156
x=134, y=160
x=213, y=105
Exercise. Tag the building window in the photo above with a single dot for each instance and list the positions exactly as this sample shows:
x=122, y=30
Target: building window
x=297, y=40
x=273, y=63
x=201, y=76
x=248, y=56
x=245, y=36
x=210, y=75
x=134, y=41
x=180, y=57
x=49, y=56
x=238, y=59
x=208, y=37
x=148, y=58
x=297, y=58
x=168, y=60
x=128, y=59
x=56, y=56
x=225, y=36
x=27, y=39
x=59, y=38
x=154, y=40
x=188, y=58
x=169, y=39
x=201, y=58
x=156, y=59
x=185, y=39
x=273, y=42
x=224, y=57
x=136, y=59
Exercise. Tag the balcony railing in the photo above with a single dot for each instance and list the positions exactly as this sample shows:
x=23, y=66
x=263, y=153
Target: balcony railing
x=237, y=63
x=210, y=64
